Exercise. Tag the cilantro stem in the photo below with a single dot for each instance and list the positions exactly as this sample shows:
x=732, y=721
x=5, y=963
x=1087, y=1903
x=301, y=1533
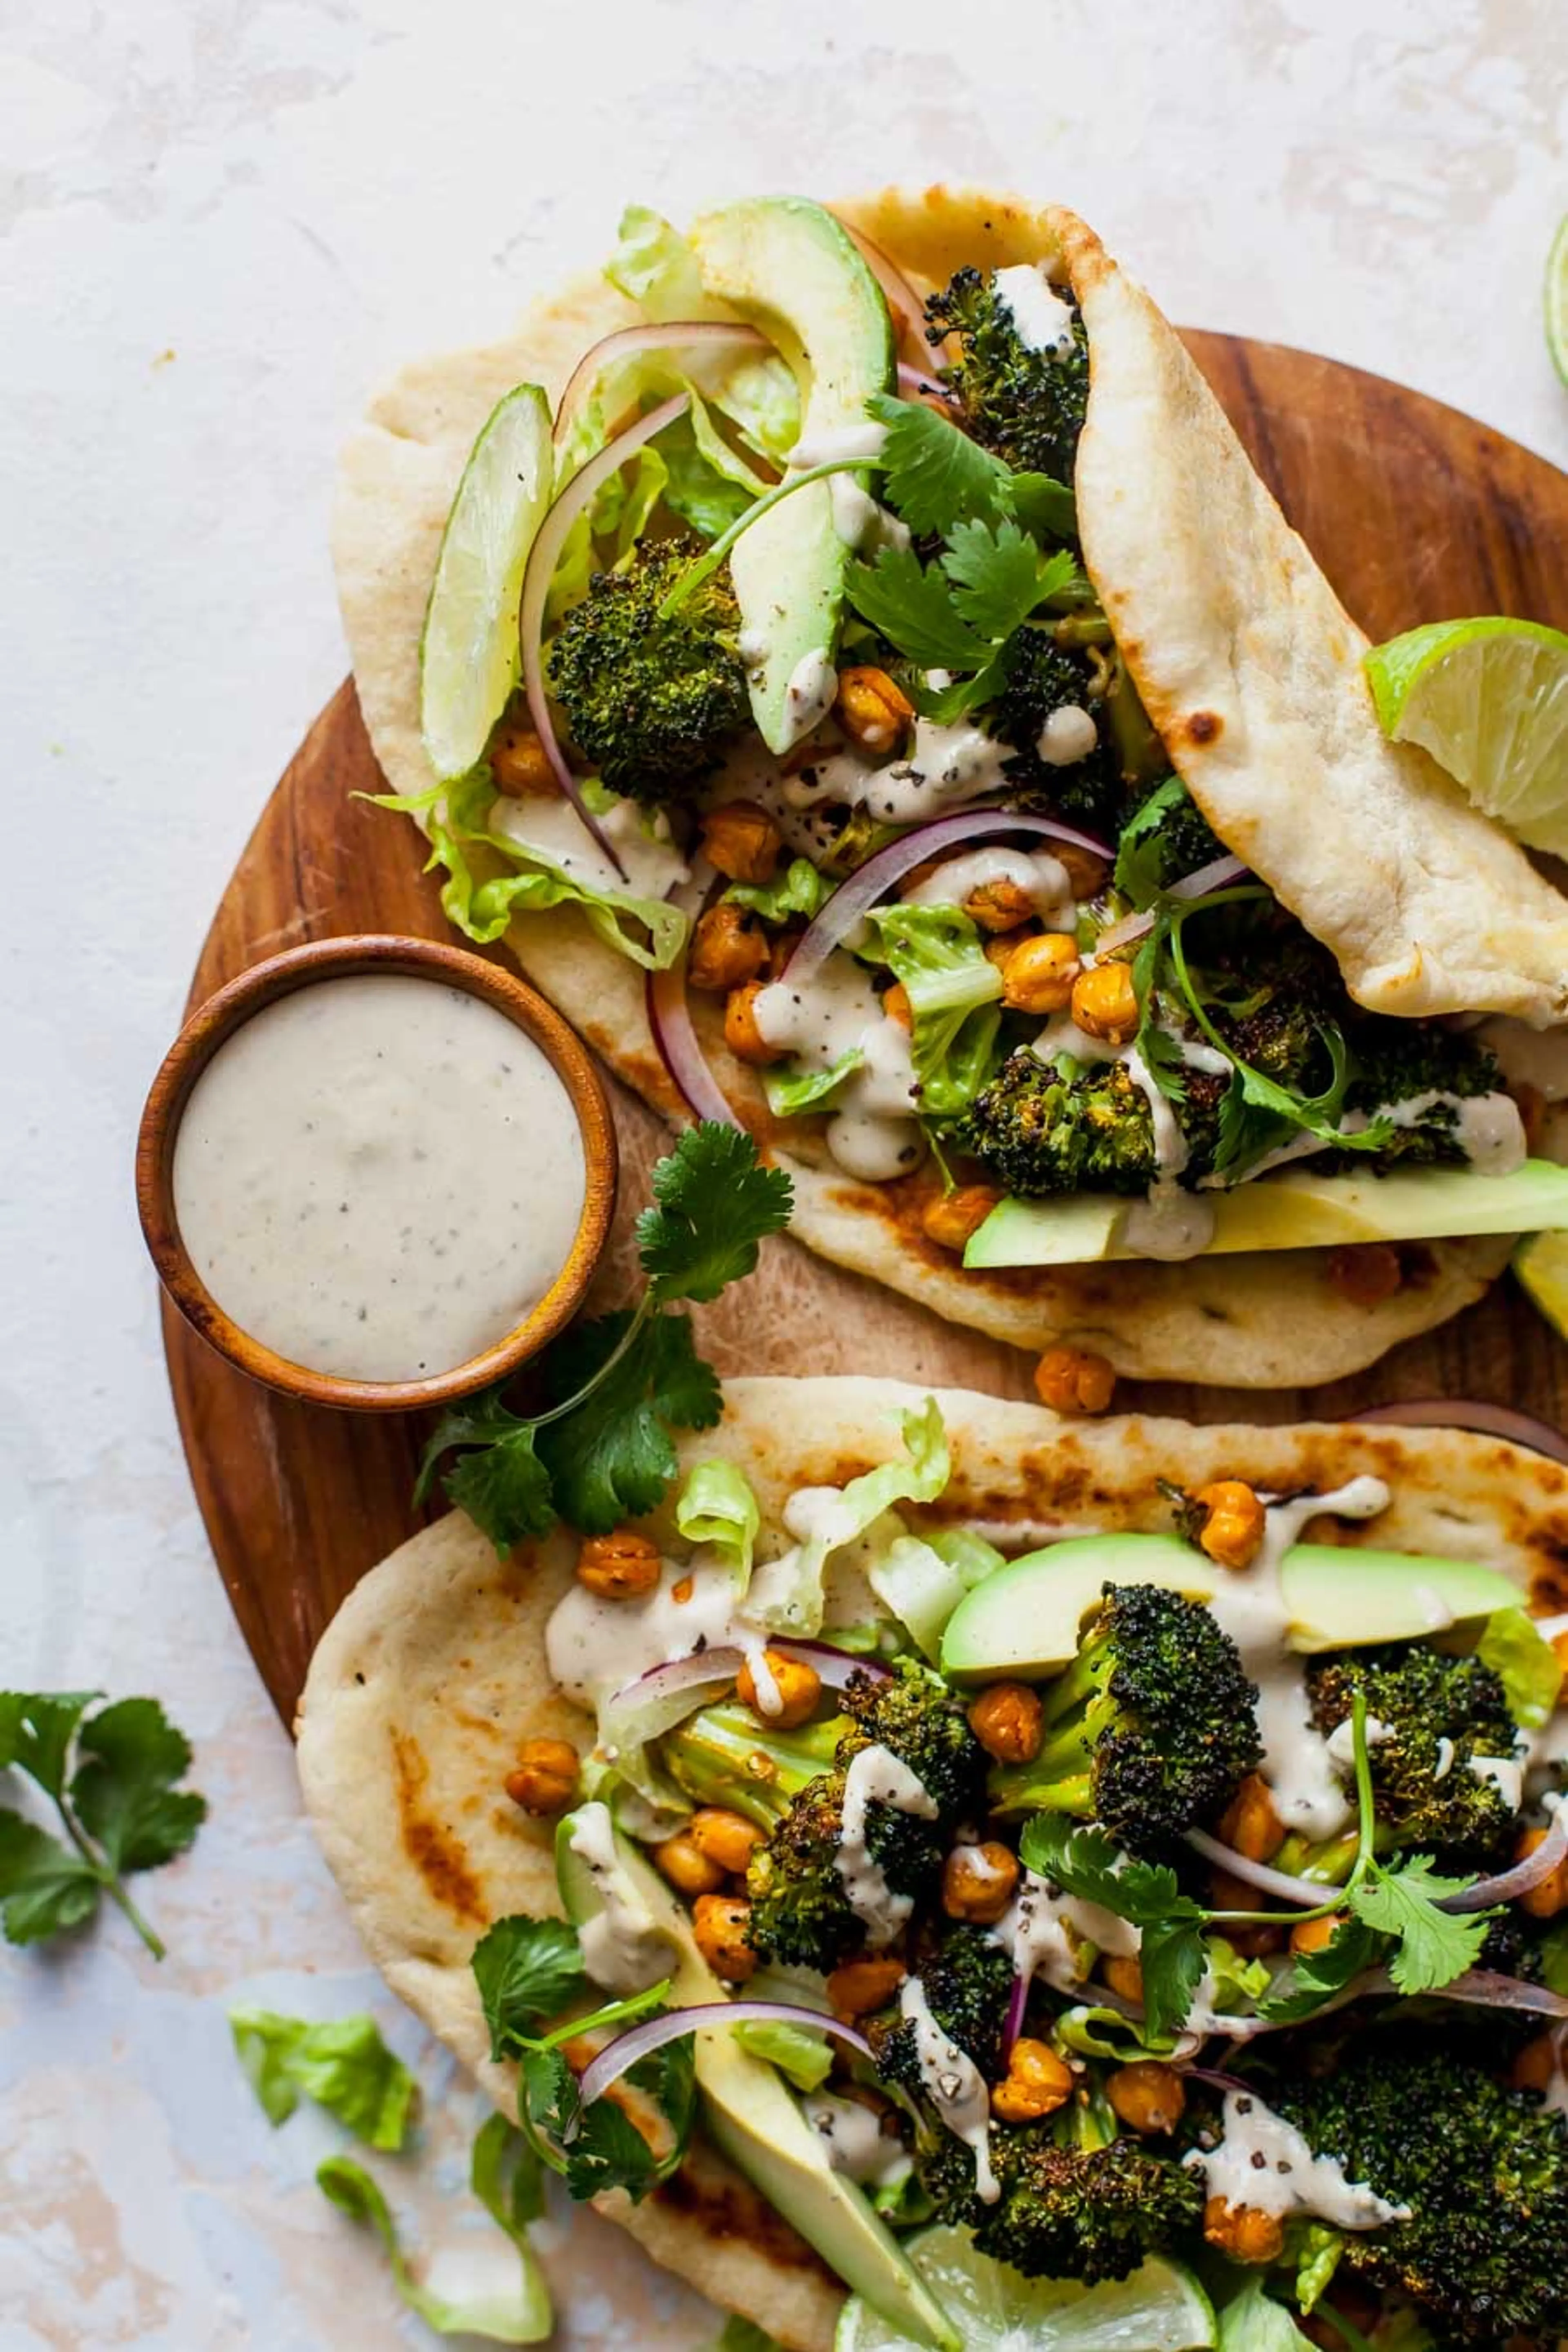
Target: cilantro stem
x=706, y=565
x=112, y=1883
x=645, y=1310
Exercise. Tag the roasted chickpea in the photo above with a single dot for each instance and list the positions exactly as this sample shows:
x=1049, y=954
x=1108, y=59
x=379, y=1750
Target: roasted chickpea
x=728, y=949
x=1105, y=1003
x=729, y=1839
x=742, y=840
x=872, y=708
x=1366, y=1273
x=520, y=763
x=1537, y=2066
x=1036, y=2084
x=1549, y=1895
x=619, y=1566
x=1007, y=1720
x=897, y=1006
x=1316, y=1935
x=1123, y=1972
x=741, y=1034
x=686, y=1866
x=722, y=1924
x=1085, y=871
x=950, y=1218
x=978, y=1882
x=858, y=1987
x=1250, y=1823
x=545, y=1777
x=1073, y=1381
x=1000, y=906
x=1243, y=2231
x=1041, y=972
x=1560, y=1649
x=1147, y=2097
x=1233, y=1529
x=789, y=1690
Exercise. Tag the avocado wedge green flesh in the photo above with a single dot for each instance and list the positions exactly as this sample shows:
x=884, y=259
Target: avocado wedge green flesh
x=786, y=265
x=1025, y=1619
x=1293, y=1211
x=754, y=2119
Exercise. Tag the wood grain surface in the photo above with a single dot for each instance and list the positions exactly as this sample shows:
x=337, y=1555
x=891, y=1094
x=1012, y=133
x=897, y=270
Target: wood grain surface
x=1417, y=513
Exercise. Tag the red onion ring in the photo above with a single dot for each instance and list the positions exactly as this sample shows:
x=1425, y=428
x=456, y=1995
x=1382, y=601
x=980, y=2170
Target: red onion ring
x=902, y=301
x=1507, y=1884
x=835, y=1669
x=542, y=558
x=641, y=2041
x=839, y=916
x=669, y=1012
x=1013, y=2024
x=915, y=385
x=1278, y=1883
x=1473, y=1412
x=675, y=335
x=1211, y=877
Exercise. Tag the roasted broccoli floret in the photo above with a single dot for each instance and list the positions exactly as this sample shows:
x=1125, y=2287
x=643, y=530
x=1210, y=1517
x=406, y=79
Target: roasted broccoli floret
x=1041, y=1131
x=1153, y=1727
x=1484, y=2171
x=1396, y=1062
x=1165, y=836
x=1039, y=678
x=913, y=1713
x=1077, y=2201
x=651, y=700
x=1431, y=1718
x=1026, y=405
x=967, y=1978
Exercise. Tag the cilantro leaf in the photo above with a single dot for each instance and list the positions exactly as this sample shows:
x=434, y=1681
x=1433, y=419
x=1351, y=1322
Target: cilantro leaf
x=1044, y=506
x=1087, y=1862
x=913, y=605
x=608, y=2151
x=948, y=704
x=1140, y=865
x=611, y=1457
x=1312, y=1977
x=44, y=1886
x=1434, y=1947
x=935, y=476
x=342, y=2064
x=505, y=1489
x=124, y=1794
x=714, y=1203
x=999, y=576
x=526, y=1971
x=36, y=1732
x=1173, y=1958
x=481, y=1421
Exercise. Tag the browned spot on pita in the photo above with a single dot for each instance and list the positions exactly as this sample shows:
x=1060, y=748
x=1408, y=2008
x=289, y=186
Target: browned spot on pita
x=1205, y=727
x=728, y=2209
x=484, y=1725
x=437, y=1855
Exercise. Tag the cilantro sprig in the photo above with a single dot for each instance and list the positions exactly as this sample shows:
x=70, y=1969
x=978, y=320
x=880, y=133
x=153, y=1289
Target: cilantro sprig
x=602, y=1451
x=112, y=1779
x=1393, y=1911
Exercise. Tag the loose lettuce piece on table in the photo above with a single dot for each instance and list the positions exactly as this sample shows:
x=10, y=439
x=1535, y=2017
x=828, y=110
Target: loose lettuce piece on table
x=342, y=2064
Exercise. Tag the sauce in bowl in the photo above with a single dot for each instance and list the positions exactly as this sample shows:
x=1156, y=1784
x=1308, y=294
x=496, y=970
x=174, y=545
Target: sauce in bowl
x=378, y=1176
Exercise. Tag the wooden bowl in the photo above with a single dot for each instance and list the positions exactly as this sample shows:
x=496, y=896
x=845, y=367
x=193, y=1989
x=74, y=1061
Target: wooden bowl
x=280, y=975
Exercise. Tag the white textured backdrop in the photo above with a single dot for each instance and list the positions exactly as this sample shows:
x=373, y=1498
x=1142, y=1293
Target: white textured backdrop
x=221, y=220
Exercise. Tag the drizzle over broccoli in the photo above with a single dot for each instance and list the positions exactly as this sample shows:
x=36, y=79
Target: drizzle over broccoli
x=967, y=1976
x=1433, y=1716
x=1026, y=405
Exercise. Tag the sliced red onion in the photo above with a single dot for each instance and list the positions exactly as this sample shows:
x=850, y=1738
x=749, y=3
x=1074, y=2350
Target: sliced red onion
x=1480, y=1988
x=721, y=1663
x=1509, y=1884
x=543, y=556
x=1013, y=2023
x=1472, y=1412
x=914, y=384
x=900, y=296
x=669, y=1012
x=1211, y=877
x=675, y=335
x=839, y=916
x=628, y=2049
x=836, y=1667
x=1310, y=1892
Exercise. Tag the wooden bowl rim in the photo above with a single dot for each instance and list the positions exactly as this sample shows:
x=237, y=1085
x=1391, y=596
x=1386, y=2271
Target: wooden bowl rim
x=215, y=1021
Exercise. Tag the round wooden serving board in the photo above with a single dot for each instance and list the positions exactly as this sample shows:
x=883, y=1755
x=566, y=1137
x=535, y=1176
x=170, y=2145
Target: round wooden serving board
x=1416, y=513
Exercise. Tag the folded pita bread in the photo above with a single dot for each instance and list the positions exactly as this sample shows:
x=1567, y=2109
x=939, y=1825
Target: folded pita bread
x=1248, y=665
x=433, y=1670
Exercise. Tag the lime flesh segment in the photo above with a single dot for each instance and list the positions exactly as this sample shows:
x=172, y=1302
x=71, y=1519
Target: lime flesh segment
x=1489, y=698
x=1161, y=2308
x=1557, y=301
x=1540, y=1262
x=469, y=655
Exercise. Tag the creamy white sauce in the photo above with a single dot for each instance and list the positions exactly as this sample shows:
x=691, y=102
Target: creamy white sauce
x=595, y=1646
x=1264, y=2163
x=809, y=696
x=1531, y=1057
x=1444, y=1764
x=1308, y=1791
x=857, y=519
x=872, y=1132
x=1059, y=1937
x=1042, y=879
x=379, y=1177
x=1170, y=1223
x=854, y=2141
x=547, y=824
x=947, y=766
x=624, y=1947
x=954, y=2083
x=1043, y=319
x=1505, y=1776
x=1067, y=736
x=877, y=1776
x=837, y=443
x=1341, y=1742
x=1488, y=1129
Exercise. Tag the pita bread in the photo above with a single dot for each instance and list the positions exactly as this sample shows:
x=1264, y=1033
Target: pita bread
x=433, y=1670
x=1265, y=1322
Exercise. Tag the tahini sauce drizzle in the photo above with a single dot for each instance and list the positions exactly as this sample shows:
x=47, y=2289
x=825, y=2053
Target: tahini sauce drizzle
x=876, y=1776
x=378, y=1177
x=1263, y=2162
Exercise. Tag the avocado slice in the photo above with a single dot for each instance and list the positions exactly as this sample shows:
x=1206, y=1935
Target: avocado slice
x=1295, y=1211
x=1025, y=1619
x=786, y=264
x=752, y=2118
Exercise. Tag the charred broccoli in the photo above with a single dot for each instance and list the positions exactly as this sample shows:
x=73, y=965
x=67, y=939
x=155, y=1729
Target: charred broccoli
x=1151, y=1728
x=1483, y=2172
x=1041, y=1131
x=1397, y=1060
x=651, y=700
x=1027, y=406
x=968, y=1981
x=1432, y=1719
x=913, y=1713
x=1077, y=2200
x=1040, y=676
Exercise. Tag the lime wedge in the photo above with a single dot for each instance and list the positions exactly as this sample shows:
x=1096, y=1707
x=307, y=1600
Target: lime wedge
x=1540, y=1262
x=469, y=654
x=1557, y=301
x=1161, y=2308
x=1489, y=699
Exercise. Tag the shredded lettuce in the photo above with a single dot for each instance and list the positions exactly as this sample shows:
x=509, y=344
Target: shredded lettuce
x=1235, y=1981
x=802, y=2057
x=656, y=269
x=800, y=892
x=1253, y=2322
x=717, y=1507
x=787, y=1593
x=1531, y=1671
x=343, y=2065
x=513, y=2310
x=940, y=956
x=1094, y=2033
x=789, y=1089
x=922, y=1578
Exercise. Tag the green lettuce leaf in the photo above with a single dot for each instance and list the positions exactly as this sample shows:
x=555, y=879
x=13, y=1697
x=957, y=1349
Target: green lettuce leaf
x=343, y=2065
x=787, y=1594
x=656, y=269
x=717, y=1507
x=802, y=2057
x=1253, y=2322
x=789, y=1089
x=1531, y=1671
x=800, y=892
x=939, y=954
